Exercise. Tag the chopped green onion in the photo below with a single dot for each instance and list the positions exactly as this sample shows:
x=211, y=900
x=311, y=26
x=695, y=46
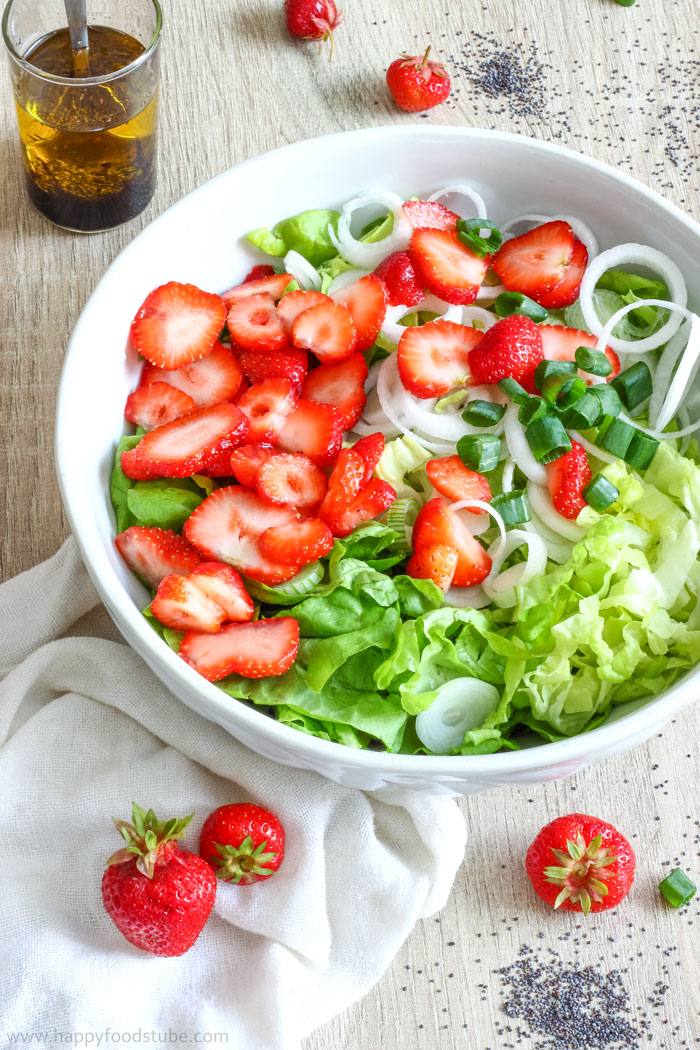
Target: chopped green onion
x=625, y=3
x=571, y=393
x=469, y=232
x=547, y=439
x=614, y=435
x=677, y=888
x=483, y=413
x=514, y=390
x=514, y=507
x=586, y=412
x=479, y=451
x=633, y=385
x=546, y=369
x=641, y=451
x=594, y=362
x=533, y=409
x=508, y=303
x=608, y=398
x=599, y=493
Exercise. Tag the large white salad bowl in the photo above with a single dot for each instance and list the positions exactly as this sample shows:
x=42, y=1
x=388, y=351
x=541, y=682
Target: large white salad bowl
x=200, y=240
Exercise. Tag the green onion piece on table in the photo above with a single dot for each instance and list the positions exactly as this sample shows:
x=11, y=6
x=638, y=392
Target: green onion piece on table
x=633, y=385
x=483, y=413
x=615, y=436
x=641, y=451
x=479, y=451
x=514, y=507
x=471, y=233
x=593, y=361
x=599, y=493
x=547, y=439
x=625, y=3
x=514, y=390
x=677, y=888
x=546, y=369
x=508, y=303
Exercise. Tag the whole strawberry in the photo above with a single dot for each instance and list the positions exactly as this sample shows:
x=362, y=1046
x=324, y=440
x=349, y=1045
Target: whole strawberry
x=243, y=843
x=402, y=285
x=512, y=347
x=313, y=20
x=416, y=83
x=581, y=863
x=158, y=895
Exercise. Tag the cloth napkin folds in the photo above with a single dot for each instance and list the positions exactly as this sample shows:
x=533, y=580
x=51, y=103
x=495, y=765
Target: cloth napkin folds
x=85, y=727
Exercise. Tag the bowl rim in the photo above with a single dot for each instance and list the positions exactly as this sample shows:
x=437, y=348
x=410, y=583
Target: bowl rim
x=128, y=617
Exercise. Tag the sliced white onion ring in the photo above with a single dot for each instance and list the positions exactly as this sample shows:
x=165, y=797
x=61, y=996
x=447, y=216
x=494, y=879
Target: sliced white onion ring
x=489, y=292
x=461, y=189
x=460, y=705
x=480, y=504
x=558, y=549
x=507, y=476
x=637, y=255
x=583, y=233
x=500, y=586
x=542, y=505
x=367, y=255
x=306, y=275
x=664, y=370
x=532, y=219
x=388, y=373
x=683, y=377
x=346, y=277
x=467, y=597
x=636, y=346
x=519, y=448
x=485, y=318
x=447, y=425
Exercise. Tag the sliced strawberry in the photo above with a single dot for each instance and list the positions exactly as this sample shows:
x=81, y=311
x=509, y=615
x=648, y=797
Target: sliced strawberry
x=560, y=344
x=512, y=347
x=371, y=449
x=254, y=324
x=151, y=406
x=566, y=478
x=181, y=605
x=348, y=477
x=535, y=262
x=255, y=650
x=215, y=378
x=341, y=384
x=566, y=291
x=289, y=363
x=267, y=405
x=366, y=301
x=258, y=272
x=298, y=544
x=437, y=525
x=452, y=479
x=372, y=500
x=314, y=429
x=227, y=526
x=223, y=585
x=446, y=266
x=431, y=214
x=274, y=284
x=155, y=553
x=327, y=330
x=294, y=303
x=398, y=275
x=177, y=324
x=200, y=443
x=291, y=478
x=437, y=563
x=433, y=358
x=247, y=460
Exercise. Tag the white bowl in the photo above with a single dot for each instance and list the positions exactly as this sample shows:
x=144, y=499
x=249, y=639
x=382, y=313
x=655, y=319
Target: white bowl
x=199, y=240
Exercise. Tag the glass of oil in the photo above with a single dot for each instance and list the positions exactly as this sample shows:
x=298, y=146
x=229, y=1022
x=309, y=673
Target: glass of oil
x=87, y=118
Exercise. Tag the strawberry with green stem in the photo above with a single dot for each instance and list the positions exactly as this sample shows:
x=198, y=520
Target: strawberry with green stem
x=416, y=83
x=244, y=843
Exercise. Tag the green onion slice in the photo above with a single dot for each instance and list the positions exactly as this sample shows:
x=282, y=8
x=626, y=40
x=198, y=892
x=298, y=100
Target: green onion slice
x=599, y=493
x=514, y=507
x=514, y=390
x=633, y=385
x=592, y=361
x=608, y=398
x=546, y=369
x=483, y=413
x=586, y=412
x=508, y=303
x=547, y=439
x=479, y=451
x=470, y=233
x=534, y=408
x=677, y=888
x=641, y=450
x=614, y=435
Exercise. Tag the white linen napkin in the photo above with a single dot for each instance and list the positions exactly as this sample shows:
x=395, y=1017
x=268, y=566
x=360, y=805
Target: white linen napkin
x=85, y=727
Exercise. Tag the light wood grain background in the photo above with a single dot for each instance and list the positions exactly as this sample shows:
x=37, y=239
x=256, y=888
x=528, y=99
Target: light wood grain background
x=622, y=84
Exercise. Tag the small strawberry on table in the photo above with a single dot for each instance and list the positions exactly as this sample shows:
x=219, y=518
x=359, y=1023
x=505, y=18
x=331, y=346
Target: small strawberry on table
x=244, y=843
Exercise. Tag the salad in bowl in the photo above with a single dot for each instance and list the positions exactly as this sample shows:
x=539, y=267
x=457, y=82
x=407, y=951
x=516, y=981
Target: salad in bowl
x=424, y=480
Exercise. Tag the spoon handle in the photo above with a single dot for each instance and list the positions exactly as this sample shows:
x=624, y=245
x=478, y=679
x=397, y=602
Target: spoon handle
x=77, y=24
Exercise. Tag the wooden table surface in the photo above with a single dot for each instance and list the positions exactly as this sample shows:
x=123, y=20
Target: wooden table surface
x=622, y=84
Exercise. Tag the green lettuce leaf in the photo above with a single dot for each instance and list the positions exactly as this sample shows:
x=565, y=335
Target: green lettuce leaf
x=120, y=485
x=306, y=233
x=162, y=502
